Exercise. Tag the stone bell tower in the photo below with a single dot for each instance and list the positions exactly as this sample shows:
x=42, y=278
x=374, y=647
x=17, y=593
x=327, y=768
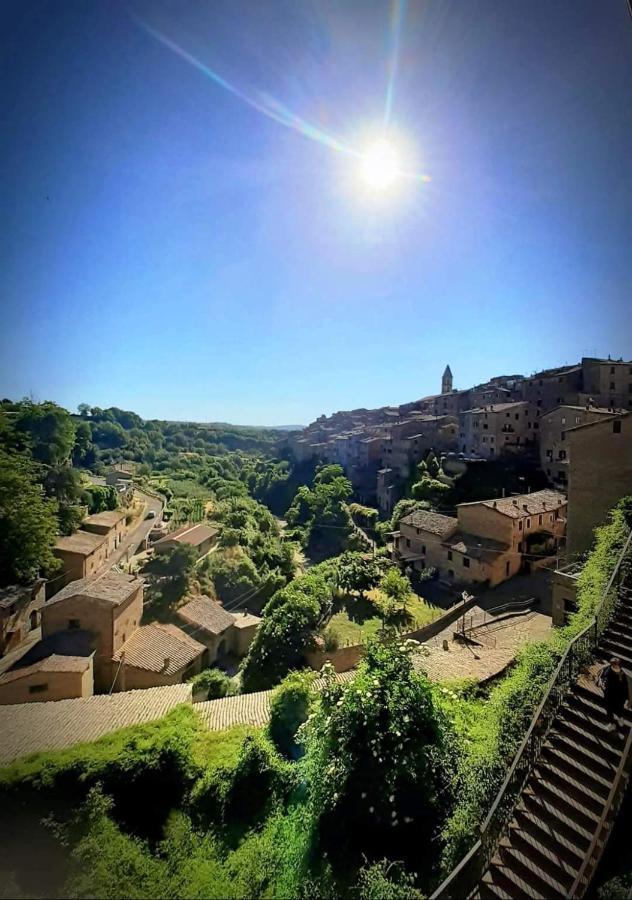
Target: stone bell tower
x=446, y=381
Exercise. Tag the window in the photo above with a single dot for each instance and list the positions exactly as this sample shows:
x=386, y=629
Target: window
x=74, y=623
x=551, y=516
x=616, y=427
x=485, y=426
x=33, y=620
x=408, y=542
x=563, y=420
x=539, y=520
x=535, y=426
x=520, y=525
x=528, y=523
x=612, y=385
x=506, y=569
x=450, y=573
x=612, y=370
x=508, y=415
x=561, y=454
x=37, y=688
x=449, y=554
x=577, y=420
x=517, y=416
x=466, y=562
x=423, y=548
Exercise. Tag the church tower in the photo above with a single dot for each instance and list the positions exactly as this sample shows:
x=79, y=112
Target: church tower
x=446, y=381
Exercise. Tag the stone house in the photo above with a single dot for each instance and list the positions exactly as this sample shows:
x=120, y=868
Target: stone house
x=20, y=607
x=608, y=382
x=109, y=608
x=201, y=537
x=554, y=448
x=488, y=541
x=498, y=428
x=599, y=475
x=52, y=678
x=553, y=387
x=157, y=655
x=110, y=523
x=220, y=631
x=82, y=554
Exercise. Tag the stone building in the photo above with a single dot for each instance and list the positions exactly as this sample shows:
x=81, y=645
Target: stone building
x=607, y=382
x=488, y=541
x=220, y=631
x=109, y=608
x=157, y=655
x=201, y=537
x=554, y=448
x=499, y=428
x=20, y=607
x=82, y=554
x=110, y=523
x=599, y=475
x=52, y=678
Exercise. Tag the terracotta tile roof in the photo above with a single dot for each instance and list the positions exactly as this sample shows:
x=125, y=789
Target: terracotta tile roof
x=246, y=620
x=189, y=534
x=28, y=728
x=49, y=664
x=110, y=517
x=112, y=587
x=206, y=614
x=432, y=522
x=523, y=505
x=81, y=542
x=160, y=648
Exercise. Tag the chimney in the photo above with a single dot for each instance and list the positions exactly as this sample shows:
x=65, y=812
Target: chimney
x=525, y=507
x=166, y=663
x=494, y=504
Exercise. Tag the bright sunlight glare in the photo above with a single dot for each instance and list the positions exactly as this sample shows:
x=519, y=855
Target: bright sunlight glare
x=380, y=165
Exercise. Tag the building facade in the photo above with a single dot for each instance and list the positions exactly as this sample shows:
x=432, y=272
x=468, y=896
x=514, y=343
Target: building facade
x=500, y=428
x=20, y=609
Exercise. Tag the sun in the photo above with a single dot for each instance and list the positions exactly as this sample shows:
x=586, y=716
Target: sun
x=380, y=165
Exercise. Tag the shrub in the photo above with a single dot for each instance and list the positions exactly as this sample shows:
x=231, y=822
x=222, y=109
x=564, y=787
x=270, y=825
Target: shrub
x=244, y=793
x=289, y=708
x=211, y=684
x=386, y=881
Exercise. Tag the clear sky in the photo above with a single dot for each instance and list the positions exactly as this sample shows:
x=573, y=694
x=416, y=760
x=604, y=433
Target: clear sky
x=169, y=245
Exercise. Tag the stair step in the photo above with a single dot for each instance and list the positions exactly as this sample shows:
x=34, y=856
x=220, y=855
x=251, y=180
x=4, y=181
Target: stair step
x=614, y=648
x=498, y=877
x=544, y=855
x=619, y=632
x=593, y=704
x=576, y=827
x=541, y=883
x=488, y=889
x=573, y=791
x=586, y=756
x=590, y=734
x=585, y=777
x=547, y=832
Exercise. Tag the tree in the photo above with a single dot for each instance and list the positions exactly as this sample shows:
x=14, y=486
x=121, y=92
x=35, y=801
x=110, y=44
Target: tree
x=356, y=573
x=397, y=589
x=431, y=490
x=83, y=453
x=289, y=621
x=84, y=410
x=28, y=522
x=289, y=708
x=374, y=761
x=47, y=430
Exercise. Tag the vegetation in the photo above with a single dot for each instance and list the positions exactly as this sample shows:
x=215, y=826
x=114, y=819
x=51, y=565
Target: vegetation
x=210, y=684
x=289, y=709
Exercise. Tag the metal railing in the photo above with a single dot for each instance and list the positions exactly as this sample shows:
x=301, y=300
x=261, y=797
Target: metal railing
x=467, y=874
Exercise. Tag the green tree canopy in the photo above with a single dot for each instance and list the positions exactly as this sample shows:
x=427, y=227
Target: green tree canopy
x=47, y=431
x=28, y=522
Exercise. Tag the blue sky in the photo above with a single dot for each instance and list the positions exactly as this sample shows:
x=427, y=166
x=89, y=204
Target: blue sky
x=167, y=248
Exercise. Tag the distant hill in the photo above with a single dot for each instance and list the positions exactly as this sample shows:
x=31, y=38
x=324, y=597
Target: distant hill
x=284, y=427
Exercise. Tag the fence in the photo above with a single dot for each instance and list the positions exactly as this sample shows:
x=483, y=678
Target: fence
x=464, y=878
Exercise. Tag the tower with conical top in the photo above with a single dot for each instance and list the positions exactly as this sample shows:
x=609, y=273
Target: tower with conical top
x=446, y=381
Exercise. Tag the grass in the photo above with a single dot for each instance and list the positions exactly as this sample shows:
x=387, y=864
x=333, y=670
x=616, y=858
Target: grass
x=212, y=749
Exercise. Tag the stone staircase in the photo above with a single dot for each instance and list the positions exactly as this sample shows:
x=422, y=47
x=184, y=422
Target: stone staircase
x=567, y=807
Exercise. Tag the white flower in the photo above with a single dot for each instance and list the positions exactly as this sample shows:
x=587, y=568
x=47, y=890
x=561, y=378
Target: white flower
x=363, y=794
x=371, y=809
x=391, y=799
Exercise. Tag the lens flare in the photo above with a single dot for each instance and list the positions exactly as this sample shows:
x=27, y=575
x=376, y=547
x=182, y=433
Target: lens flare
x=380, y=165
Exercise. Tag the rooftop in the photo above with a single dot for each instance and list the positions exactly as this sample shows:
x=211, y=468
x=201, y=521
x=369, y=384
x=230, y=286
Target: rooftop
x=82, y=543
x=189, y=534
x=164, y=649
x=110, y=518
x=496, y=407
x=49, y=664
x=28, y=728
x=245, y=620
x=113, y=587
x=16, y=592
x=524, y=504
x=206, y=614
x=433, y=522
x=475, y=546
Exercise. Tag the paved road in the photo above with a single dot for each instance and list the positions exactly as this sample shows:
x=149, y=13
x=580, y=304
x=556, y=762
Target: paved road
x=136, y=537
